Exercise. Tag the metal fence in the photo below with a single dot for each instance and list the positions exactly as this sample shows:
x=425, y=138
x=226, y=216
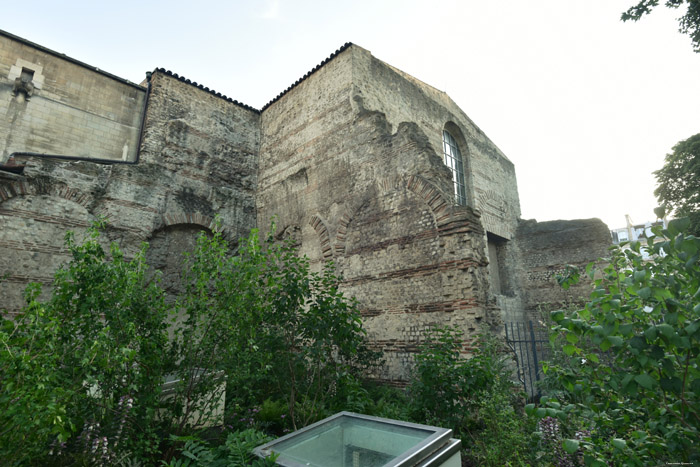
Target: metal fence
x=530, y=344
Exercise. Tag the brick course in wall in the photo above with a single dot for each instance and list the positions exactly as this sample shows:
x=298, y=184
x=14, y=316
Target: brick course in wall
x=348, y=161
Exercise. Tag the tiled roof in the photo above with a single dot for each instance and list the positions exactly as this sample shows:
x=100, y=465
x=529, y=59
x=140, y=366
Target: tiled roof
x=247, y=107
x=202, y=87
x=314, y=70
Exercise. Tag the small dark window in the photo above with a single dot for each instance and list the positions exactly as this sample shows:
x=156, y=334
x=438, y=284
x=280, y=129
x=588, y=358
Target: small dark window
x=27, y=75
x=23, y=84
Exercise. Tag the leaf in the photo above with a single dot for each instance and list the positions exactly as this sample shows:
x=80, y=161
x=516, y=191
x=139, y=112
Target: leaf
x=678, y=226
x=572, y=338
x=619, y=443
x=616, y=341
x=671, y=384
x=626, y=329
x=644, y=293
x=645, y=381
x=530, y=409
x=691, y=328
x=650, y=333
x=666, y=330
x=557, y=315
x=570, y=445
x=569, y=349
x=638, y=342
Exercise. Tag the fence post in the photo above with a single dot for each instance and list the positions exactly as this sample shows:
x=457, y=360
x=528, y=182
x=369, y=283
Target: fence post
x=534, y=354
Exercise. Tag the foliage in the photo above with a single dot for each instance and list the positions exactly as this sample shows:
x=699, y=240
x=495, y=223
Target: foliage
x=274, y=327
x=314, y=333
x=236, y=451
x=439, y=389
x=475, y=397
x=636, y=380
x=78, y=359
x=689, y=23
x=82, y=372
x=678, y=181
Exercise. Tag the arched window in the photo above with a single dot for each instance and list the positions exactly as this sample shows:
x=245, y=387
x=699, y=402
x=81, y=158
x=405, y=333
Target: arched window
x=453, y=160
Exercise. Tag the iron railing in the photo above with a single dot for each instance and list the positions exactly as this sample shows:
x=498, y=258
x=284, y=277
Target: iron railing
x=530, y=344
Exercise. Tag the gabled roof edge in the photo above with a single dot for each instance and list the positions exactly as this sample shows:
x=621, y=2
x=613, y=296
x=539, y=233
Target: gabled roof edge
x=313, y=70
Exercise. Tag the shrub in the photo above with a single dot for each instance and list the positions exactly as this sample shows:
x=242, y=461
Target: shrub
x=88, y=359
x=634, y=378
x=275, y=328
x=475, y=397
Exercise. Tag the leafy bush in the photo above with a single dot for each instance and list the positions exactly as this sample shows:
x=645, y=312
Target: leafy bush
x=474, y=396
x=276, y=329
x=89, y=359
x=634, y=378
x=82, y=372
x=236, y=451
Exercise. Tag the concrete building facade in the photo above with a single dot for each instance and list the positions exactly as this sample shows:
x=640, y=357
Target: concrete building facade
x=360, y=163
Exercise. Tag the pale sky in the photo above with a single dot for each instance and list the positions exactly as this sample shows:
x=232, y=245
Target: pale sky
x=585, y=106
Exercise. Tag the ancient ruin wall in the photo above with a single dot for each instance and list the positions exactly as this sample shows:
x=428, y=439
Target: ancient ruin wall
x=357, y=190
x=491, y=181
x=545, y=248
x=198, y=159
x=54, y=105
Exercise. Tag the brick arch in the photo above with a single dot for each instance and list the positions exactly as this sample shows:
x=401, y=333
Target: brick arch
x=323, y=236
x=439, y=206
x=425, y=190
x=13, y=189
x=193, y=218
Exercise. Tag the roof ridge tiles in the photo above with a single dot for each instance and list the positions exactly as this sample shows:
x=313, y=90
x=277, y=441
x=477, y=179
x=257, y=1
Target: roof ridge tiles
x=313, y=70
x=245, y=106
x=205, y=89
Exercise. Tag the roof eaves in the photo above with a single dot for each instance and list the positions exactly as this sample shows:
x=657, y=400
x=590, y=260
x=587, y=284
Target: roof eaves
x=313, y=70
x=205, y=89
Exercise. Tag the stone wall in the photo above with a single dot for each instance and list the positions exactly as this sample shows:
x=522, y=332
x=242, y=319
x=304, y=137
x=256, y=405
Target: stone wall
x=366, y=188
x=349, y=161
x=54, y=105
x=198, y=159
x=491, y=181
x=545, y=248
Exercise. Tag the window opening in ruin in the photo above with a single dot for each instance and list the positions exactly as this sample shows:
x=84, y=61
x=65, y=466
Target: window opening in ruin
x=453, y=159
x=497, y=264
x=27, y=75
x=24, y=85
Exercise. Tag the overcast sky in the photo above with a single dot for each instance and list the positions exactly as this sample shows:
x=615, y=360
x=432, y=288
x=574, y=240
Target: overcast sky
x=584, y=105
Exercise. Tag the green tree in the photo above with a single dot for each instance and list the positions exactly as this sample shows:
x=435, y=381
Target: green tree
x=81, y=372
x=679, y=181
x=689, y=23
x=473, y=396
x=276, y=329
x=634, y=375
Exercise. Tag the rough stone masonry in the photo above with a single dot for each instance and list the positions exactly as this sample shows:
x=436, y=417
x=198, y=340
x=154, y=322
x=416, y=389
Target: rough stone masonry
x=350, y=159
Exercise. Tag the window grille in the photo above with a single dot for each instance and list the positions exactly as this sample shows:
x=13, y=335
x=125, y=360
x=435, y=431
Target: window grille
x=453, y=160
